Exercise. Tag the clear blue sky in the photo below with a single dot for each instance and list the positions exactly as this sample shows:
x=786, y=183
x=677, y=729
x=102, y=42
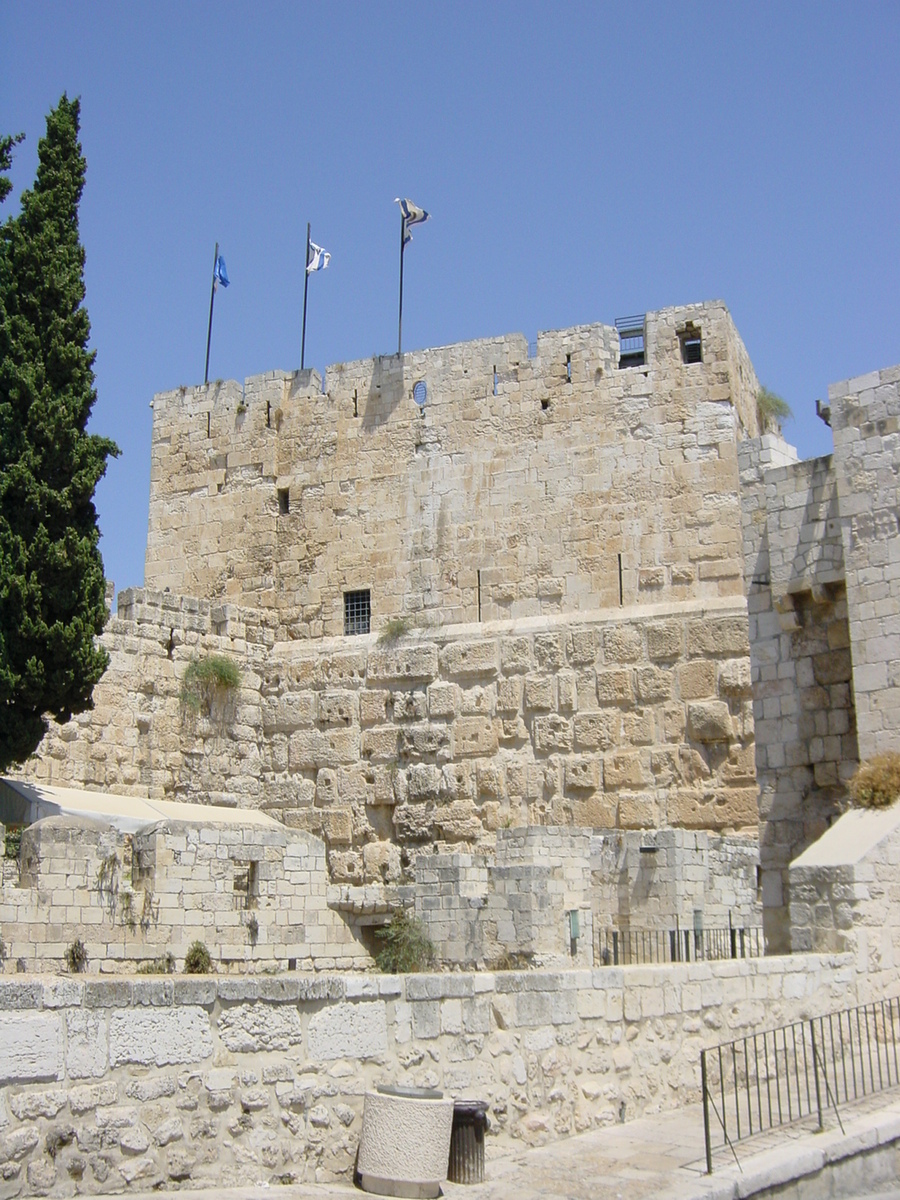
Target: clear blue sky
x=581, y=162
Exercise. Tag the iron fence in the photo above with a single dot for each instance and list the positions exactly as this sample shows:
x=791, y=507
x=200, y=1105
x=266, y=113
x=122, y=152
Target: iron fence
x=635, y=947
x=800, y=1071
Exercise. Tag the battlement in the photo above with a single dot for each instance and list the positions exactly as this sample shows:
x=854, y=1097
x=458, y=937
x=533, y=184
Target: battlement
x=466, y=482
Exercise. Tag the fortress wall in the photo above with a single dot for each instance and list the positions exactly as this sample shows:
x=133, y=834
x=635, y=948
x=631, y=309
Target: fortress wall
x=804, y=714
x=257, y=897
x=866, y=423
x=538, y=473
x=636, y=718
x=219, y=1081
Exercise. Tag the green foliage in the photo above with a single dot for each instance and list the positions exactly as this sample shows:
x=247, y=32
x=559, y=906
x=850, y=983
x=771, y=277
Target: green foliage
x=6, y=149
x=197, y=960
x=52, y=590
x=407, y=946
x=165, y=965
x=12, y=841
x=771, y=410
x=393, y=630
x=876, y=783
x=205, y=678
x=77, y=957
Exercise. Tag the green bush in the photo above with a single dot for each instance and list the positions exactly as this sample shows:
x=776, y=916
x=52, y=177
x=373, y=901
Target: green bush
x=393, y=630
x=876, y=783
x=12, y=840
x=158, y=966
x=771, y=410
x=208, y=677
x=77, y=957
x=407, y=947
x=197, y=960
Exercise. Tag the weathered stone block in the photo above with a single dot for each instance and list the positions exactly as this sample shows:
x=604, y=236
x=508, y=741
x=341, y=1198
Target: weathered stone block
x=622, y=643
x=665, y=639
x=623, y=769
x=473, y=737
x=552, y=734
x=403, y=662
x=471, y=658
x=250, y=1028
x=31, y=1047
x=653, y=684
x=582, y=774
x=87, y=1043
x=696, y=680
x=159, y=1036
x=597, y=730
x=709, y=721
x=349, y=1031
x=718, y=636
x=539, y=692
x=615, y=686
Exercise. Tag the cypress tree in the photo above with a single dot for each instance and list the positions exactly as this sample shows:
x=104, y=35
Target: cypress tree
x=52, y=589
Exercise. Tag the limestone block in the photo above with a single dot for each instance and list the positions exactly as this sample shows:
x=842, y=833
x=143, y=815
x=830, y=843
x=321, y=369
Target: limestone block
x=622, y=643
x=409, y=706
x=539, y=692
x=380, y=743
x=87, y=1043
x=567, y=688
x=582, y=647
x=583, y=774
x=249, y=1028
x=443, y=700
x=31, y=1047
x=615, y=686
x=88, y=1096
x=159, y=1036
x=665, y=639
x=709, y=721
x=623, y=769
x=313, y=748
x=348, y=1030
x=414, y=822
x=552, y=733
x=337, y=826
x=696, y=680
x=473, y=737
x=597, y=730
x=734, y=677
x=423, y=782
x=653, y=684
x=373, y=706
x=28, y=1106
x=509, y=695
x=421, y=741
x=337, y=708
x=718, y=636
x=403, y=662
x=516, y=655
x=471, y=658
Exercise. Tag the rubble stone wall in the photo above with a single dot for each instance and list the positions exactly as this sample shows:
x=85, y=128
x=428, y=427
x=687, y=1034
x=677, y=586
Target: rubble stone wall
x=550, y=484
x=111, y=1083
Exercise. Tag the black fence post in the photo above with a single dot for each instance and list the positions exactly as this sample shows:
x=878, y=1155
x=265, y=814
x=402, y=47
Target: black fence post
x=706, y=1112
x=812, y=1030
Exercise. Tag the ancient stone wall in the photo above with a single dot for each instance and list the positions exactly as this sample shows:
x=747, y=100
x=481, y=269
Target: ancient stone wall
x=257, y=897
x=636, y=718
x=524, y=486
x=865, y=415
x=804, y=715
x=213, y=1081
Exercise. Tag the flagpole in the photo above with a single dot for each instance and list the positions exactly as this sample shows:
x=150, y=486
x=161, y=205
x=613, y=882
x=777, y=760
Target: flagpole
x=212, y=296
x=305, y=289
x=400, y=319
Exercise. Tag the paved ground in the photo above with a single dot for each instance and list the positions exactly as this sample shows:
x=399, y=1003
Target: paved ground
x=660, y=1157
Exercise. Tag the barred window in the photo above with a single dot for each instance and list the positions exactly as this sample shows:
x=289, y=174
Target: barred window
x=357, y=612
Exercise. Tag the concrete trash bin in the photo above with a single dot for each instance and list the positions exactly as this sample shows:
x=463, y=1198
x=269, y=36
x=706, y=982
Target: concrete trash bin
x=404, y=1147
x=470, y=1122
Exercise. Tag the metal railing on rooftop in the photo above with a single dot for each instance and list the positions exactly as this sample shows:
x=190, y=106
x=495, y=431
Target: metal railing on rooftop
x=638, y=947
x=800, y=1071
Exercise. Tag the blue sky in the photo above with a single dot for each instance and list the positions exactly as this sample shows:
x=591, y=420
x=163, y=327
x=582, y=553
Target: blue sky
x=581, y=162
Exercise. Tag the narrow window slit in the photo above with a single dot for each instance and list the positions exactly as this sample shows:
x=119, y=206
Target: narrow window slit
x=478, y=573
x=284, y=501
x=568, y=368
x=621, y=588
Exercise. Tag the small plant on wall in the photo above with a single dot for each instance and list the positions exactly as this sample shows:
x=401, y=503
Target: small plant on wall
x=197, y=961
x=876, y=783
x=77, y=957
x=771, y=410
x=206, y=680
x=406, y=946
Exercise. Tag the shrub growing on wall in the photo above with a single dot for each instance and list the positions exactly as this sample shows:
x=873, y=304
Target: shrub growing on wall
x=407, y=947
x=876, y=783
x=197, y=960
x=205, y=679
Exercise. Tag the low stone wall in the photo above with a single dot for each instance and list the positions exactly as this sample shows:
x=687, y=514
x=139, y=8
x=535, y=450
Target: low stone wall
x=219, y=1081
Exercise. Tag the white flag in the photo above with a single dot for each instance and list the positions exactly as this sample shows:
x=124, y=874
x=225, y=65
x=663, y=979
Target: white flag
x=318, y=258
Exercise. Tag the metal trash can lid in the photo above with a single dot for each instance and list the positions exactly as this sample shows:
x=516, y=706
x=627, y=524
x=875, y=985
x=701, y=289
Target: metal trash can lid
x=409, y=1093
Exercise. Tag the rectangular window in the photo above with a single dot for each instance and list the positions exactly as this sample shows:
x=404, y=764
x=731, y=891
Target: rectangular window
x=284, y=501
x=357, y=612
x=691, y=345
x=631, y=341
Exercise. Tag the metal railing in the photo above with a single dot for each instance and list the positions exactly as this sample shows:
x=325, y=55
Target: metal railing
x=771, y=1079
x=636, y=947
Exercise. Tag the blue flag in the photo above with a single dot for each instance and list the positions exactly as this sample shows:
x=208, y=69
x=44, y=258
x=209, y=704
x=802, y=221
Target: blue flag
x=220, y=274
